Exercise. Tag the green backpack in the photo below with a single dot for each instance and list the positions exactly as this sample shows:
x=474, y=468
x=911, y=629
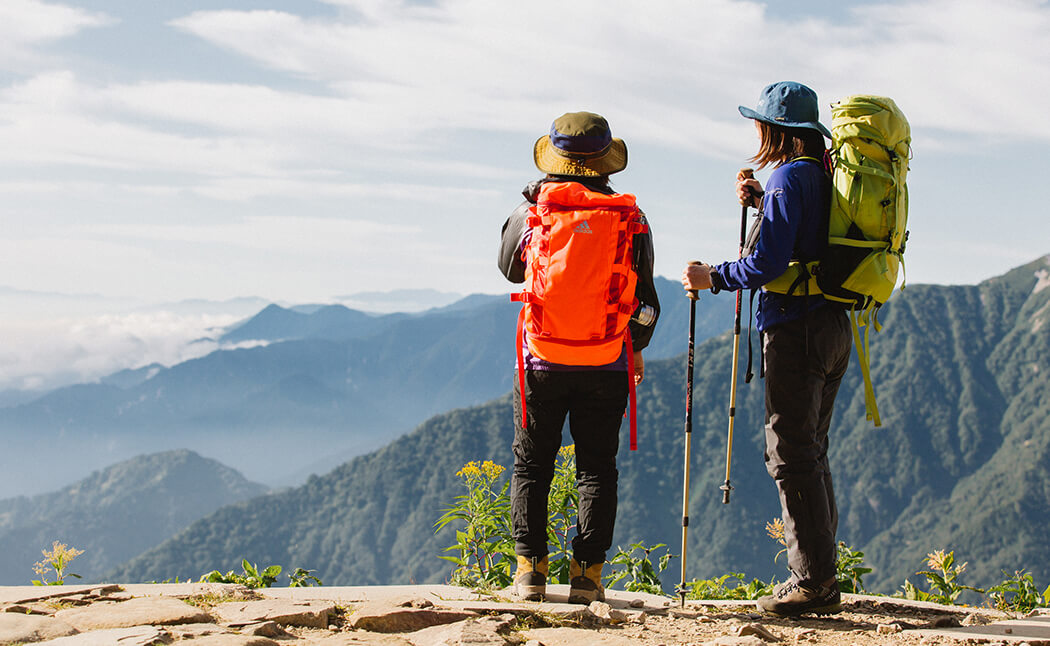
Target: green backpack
x=867, y=230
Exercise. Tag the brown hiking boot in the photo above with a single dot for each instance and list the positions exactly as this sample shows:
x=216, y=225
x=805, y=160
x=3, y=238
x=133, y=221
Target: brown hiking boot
x=790, y=599
x=585, y=582
x=530, y=581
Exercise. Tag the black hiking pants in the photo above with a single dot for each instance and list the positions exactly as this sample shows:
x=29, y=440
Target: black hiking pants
x=802, y=378
x=594, y=402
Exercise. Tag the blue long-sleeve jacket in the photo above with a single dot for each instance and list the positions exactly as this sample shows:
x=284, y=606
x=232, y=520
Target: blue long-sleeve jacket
x=794, y=226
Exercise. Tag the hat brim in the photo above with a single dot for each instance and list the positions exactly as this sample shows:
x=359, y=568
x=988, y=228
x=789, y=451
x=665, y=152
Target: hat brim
x=812, y=125
x=553, y=161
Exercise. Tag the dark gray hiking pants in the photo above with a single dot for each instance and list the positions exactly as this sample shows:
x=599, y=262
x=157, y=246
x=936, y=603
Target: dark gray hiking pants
x=594, y=401
x=800, y=395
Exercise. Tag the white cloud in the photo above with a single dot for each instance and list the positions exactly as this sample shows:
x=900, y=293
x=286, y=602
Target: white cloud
x=970, y=67
x=423, y=115
x=27, y=24
x=50, y=353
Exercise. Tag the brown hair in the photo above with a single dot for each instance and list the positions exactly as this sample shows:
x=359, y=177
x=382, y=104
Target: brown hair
x=781, y=144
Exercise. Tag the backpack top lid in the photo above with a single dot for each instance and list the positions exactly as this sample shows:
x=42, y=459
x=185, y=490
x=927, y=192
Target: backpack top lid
x=574, y=194
x=874, y=118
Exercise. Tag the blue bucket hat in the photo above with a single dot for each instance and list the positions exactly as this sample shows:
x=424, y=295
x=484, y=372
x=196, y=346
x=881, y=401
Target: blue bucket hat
x=789, y=104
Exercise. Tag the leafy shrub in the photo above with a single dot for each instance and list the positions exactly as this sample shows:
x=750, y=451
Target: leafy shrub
x=942, y=578
x=639, y=571
x=1018, y=593
x=718, y=588
x=56, y=560
x=251, y=577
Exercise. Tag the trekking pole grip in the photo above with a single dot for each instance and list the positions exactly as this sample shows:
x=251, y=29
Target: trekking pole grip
x=748, y=173
x=694, y=294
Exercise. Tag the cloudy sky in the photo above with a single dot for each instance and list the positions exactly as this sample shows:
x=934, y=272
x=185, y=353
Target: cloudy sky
x=298, y=150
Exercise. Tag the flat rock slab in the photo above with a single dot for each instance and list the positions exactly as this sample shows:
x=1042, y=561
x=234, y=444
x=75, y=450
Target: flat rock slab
x=193, y=631
x=158, y=611
x=230, y=639
x=473, y=632
x=184, y=590
x=736, y=640
x=576, y=637
x=308, y=614
x=10, y=595
x=22, y=628
x=361, y=638
x=135, y=636
x=1031, y=629
x=362, y=593
x=403, y=616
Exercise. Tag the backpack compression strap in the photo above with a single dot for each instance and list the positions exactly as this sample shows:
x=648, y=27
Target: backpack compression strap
x=631, y=389
x=633, y=396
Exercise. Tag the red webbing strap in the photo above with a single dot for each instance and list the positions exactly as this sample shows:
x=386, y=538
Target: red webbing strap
x=630, y=386
x=519, y=339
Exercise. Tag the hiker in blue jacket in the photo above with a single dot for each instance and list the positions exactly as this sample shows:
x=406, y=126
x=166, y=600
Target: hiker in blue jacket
x=806, y=339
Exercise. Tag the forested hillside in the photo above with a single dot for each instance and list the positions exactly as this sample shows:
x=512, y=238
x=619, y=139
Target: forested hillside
x=962, y=462
x=116, y=513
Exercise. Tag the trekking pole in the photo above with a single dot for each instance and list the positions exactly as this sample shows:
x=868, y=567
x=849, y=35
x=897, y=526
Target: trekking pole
x=745, y=173
x=693, y=298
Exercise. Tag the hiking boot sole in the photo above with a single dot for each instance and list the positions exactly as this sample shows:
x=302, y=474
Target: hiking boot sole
x=830, y=609
x=530, y=592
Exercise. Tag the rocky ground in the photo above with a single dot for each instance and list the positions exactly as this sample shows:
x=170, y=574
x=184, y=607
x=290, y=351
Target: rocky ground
x=229, y=615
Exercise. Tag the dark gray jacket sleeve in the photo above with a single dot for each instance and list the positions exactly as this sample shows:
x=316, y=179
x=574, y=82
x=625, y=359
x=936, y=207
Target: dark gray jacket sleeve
x=645, y=290
x=510, y=262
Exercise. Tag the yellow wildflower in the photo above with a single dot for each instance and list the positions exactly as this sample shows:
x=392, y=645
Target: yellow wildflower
x=775, y=529
x=491, y=469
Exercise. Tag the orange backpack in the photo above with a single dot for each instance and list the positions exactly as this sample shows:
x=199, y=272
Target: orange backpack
x=579, y=280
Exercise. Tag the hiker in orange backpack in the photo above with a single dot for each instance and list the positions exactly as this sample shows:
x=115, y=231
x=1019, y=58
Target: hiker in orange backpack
x=585, y=255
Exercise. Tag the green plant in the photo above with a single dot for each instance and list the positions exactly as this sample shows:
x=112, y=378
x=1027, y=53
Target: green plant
x=57, y=560
x=1018, y=593
x=302, y=578
x=251, y=577
x=718, y=589
x=849, y=569
x=639, y=570
x=484, y=549
x=943, y=580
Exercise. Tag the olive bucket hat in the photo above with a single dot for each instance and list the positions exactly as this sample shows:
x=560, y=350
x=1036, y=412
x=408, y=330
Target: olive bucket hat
x=580, y=143
x=790, y=104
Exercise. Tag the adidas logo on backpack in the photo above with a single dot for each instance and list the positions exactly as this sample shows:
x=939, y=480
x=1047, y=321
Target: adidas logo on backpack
x=583, y=227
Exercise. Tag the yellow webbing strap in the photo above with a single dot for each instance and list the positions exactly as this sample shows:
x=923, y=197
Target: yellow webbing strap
x=861, y=345
x=867, y=244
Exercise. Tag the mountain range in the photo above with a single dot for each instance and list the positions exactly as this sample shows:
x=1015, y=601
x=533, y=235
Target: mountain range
x=307, y=388
x=962, y=462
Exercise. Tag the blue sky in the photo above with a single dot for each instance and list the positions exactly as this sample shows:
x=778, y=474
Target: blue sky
x=300, y=150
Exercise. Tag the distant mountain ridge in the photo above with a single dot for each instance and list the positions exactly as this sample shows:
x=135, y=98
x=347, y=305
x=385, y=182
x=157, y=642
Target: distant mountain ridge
x=117, y=513
x=319, y=386
x=962, y=462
